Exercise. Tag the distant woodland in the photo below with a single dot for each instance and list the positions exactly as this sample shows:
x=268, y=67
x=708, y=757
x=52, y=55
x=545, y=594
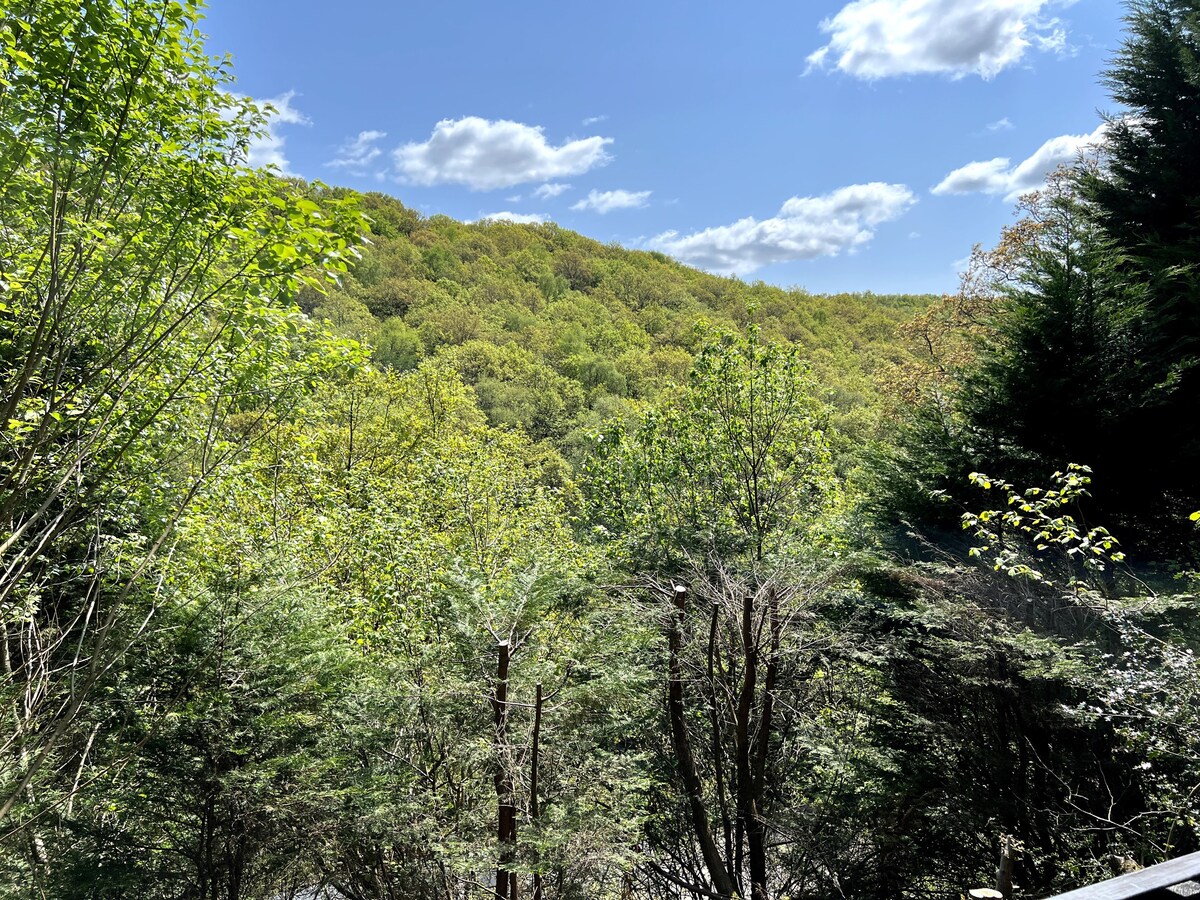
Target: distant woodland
x=351, y=553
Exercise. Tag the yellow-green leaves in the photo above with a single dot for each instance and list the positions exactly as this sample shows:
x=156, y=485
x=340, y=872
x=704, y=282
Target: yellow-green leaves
x=1016, y=537
x=738, y=461
x=147, y=335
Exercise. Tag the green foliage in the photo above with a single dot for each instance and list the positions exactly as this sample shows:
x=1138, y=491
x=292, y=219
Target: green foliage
x=1034, y=516
x=147, y=283
x=516, y=389
x=1074, y=341
x=257, y=593
x=974, y=697
x=345, y=315
x=1126, y=661
x=209, y=757
x=616, y=323
x=735, y=462
x=1062, y=370
x=396, y=345
x=1091, y=324
x=725, y=486
x=431, y=536
x=1144, y=192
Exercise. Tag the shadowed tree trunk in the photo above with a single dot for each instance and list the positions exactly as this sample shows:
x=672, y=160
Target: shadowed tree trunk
x=534, y=752
x=686, y=760
x=506, y=817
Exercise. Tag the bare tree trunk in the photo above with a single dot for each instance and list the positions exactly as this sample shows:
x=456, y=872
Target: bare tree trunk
x=746, y=740
x=715, y=726
x=1004, y=872
x=761, y=752
x=506, y=817
x=681, y=740
x=534, y=752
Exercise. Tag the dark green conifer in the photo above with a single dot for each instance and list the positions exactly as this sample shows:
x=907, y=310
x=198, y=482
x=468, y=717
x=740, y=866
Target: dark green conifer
x=1145, y=195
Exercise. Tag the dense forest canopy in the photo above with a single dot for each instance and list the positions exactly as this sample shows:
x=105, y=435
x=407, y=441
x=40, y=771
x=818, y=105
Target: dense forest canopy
x=557, y=333
x=349, y=552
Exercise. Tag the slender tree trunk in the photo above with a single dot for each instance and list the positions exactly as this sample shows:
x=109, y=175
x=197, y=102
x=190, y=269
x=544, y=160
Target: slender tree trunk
x=534, y=754
x=715, y=726
x=744, y=749
x=681, y=740
x=1004, y=872
x=761, y=751
x=207, y=873
x=22, y=712
x=506, y=816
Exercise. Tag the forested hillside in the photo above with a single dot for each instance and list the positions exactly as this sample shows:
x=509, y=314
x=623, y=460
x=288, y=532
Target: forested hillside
x=558, y=334
x=347, y=552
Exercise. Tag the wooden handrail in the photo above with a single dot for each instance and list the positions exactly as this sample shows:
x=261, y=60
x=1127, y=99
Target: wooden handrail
x=1151, y=883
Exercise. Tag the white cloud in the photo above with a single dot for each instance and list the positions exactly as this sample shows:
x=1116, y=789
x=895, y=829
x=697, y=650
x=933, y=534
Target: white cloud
x=281, y=110
x=485, y=155
x=989, y=176
x=551, y=189
x=592, y=120
x=606, y=201
x=882, y=38
x=517, y=218
x=355, y=155
x=268, y=148
x=1004, y=124
x=805, y=228
x=1002, y=179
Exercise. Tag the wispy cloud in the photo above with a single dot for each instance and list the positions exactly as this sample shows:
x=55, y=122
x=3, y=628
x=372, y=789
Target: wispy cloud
x=999, y=177
x=883, y=38
x=1001, y=125
x=592, y=120
x=551, y=189
x=357, y=154
x=267, y=150
x=805, y=228
x=606, y=201
x=514, y=217
x=486, y=155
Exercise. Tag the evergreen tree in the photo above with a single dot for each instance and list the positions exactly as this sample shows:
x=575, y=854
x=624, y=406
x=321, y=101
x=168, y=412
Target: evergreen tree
x=1063, y=370
x=1148, y=191
x=1146, y=197
x=1055, y=370
x=1091, y=337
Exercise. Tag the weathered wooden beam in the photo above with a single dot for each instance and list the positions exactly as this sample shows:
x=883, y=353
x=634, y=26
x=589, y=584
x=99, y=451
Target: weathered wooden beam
x=1151, y=882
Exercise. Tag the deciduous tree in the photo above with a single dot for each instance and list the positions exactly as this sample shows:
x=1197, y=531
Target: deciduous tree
x=145, y=276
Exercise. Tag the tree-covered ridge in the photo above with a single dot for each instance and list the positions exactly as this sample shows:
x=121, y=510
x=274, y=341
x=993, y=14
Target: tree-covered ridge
x=558, y=333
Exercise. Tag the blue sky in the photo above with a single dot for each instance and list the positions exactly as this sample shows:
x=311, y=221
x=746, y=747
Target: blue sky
x=829, y=145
